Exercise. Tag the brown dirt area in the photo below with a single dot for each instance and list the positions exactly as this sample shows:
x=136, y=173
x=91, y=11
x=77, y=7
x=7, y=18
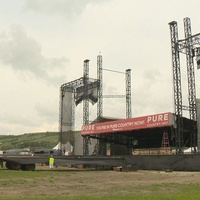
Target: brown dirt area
x=70, y=182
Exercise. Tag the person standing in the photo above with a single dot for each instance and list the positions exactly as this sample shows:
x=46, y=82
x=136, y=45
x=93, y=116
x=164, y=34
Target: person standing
x=51, y=162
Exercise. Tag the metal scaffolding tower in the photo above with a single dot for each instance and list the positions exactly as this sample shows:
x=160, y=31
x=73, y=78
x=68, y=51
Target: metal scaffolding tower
x=87, y=90
x=191, y=79
x=128, y=91
x=71, y=94
x=86, y=105
x=177, y=85
x=101, y=144
x=190, y=69
x=100, y=91
x=128, y=94
x=190, y=47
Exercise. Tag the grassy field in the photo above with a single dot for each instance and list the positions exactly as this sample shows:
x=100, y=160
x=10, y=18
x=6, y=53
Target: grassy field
x=66, y=183
x=63, y=183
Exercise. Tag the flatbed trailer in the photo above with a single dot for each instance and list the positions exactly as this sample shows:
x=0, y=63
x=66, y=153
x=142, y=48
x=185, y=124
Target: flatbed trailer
x=183, y=162
x=28, y=162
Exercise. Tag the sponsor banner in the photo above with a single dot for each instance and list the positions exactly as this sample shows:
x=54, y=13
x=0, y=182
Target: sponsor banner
x=151, y=121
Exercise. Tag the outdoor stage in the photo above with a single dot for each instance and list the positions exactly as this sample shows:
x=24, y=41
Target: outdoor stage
x=145, y=132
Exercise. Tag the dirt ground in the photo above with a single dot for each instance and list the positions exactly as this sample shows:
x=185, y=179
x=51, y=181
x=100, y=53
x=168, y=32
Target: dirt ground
x=70, y=182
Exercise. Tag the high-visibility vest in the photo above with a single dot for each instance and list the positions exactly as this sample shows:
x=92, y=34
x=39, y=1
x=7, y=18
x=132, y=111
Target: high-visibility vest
x=51, y=160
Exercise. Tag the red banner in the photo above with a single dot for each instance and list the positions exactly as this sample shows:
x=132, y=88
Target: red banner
x=151, y=121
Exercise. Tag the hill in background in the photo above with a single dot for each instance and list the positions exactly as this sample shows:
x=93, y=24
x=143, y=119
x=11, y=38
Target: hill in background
x=41, y=140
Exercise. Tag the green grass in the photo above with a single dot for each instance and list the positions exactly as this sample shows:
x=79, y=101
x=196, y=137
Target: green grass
x=14, y=180
x=124, y=197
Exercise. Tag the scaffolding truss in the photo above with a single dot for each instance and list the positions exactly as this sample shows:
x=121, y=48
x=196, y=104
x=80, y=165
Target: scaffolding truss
x=71, y=94
x=87, y=90
x=190, y=47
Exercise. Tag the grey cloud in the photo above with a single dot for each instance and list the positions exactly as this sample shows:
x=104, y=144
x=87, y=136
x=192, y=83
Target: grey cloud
x=46, y=111
x=16, y=119
x=23, y=54
x=52, y=62
x=68, y=8
x=152, y=75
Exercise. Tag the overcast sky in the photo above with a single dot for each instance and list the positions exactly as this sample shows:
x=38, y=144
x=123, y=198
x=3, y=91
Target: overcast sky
x=43, y=44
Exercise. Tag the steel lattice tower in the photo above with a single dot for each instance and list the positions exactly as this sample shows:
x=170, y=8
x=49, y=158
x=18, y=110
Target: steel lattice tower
x=188, y=46
x=101, y=145
x=190, y=69
x=128, y=94
x=191, y=78
x=100, y=91
x=85, y=105
x=177, y=84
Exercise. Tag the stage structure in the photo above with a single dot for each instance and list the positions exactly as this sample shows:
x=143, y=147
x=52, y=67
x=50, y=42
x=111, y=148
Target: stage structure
x=145, y=132
x=100, y=92
x=189, y=46
x=71, y=94
x=101, y=144
x=87, y=90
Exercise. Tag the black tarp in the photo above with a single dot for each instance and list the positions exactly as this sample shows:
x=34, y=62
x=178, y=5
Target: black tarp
x=165, y=162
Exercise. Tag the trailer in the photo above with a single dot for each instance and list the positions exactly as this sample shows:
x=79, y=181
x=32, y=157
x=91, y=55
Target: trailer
x=183, y=162
x=28, y=163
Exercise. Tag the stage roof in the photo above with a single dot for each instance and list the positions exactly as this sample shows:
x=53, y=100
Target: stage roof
x=137, y=123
